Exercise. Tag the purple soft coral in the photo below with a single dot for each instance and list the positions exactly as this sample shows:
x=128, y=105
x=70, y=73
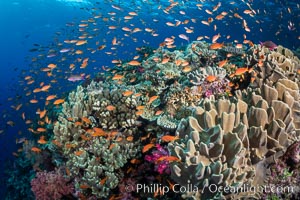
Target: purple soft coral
x=51, y=185
x=163, y=166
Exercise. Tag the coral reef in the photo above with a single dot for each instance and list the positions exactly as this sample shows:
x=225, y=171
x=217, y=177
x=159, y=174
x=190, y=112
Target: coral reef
x=51, y=185
x=231, y=143
x=97, y=129
x=202, y=116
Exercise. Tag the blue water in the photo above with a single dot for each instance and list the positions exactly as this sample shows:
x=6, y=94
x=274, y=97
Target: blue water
x=30, y=28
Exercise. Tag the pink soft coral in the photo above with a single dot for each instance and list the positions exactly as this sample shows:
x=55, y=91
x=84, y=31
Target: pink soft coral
x=51, y=185
x=163, y=166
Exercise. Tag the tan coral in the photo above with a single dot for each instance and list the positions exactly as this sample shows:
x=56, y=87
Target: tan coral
x=94, y=156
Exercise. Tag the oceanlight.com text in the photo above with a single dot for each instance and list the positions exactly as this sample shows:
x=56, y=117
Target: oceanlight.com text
x=212, y=188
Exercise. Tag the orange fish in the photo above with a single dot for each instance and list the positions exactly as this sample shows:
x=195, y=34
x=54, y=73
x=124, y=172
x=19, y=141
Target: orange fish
x=50, y=97
x=168, y=158
x=241, y=71
x=117, y=77
x=45, y=88
x=153, y=98
x=86, y=120
x=78, y=153
x=147, y=147
x=81, y=42
x=102, y=182
x=134, y=63
x=127, y=93
x=98, y=132
x=140, y=107
x=41, y=130
x=42, y=113
x=42, y=140
x=129, y=138
x=110, y=108
x=211, y=78
x=36, y=150
x=140, y=112
x=52, y=66
x=57, y=143
x=78, y=123
x=58, y=101
x=222, y=63
x=84, y=186
x=169, y=138
x=112, y=146
x=216, y=46
x=36, y=90
x=159, y=112
x=187, y=69
x=135, y=161
x=33, y=101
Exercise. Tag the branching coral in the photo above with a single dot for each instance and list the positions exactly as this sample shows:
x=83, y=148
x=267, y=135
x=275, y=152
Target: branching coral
x=96, y=135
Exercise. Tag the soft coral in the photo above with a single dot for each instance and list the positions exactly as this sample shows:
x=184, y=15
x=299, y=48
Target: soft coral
x=51, y=185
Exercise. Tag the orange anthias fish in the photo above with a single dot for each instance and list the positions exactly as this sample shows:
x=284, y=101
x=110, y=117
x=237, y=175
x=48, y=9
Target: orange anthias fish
x=42, y=140
x=134, y=63
x=127, y=93
x=58, y=101
x=169, y=138
x=153, y=98
x=211, y=78
x=241, y=71
x=86, y=120
x=147, y=147
x=36, y=150
x=216, y=46
x=168, y=158
x=117, y=77
x=110, y=108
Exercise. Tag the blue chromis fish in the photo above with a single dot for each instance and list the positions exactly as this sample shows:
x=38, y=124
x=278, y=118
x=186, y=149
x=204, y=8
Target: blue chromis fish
x=74, y=78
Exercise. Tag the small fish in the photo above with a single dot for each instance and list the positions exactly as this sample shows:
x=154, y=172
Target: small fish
x=117, y=77
x=102, y=182
x=78, y=153
x=42, y=140
x=65, y=50
x=134, y=63
x=240, y=71
x=215, y=38
x=81, y=42
x=127, y=93
x=36, y=150
x=269, y=44
x=222, y=63
x=84, y=186
x=110, y=108
x=153, y=98
x=211, y=78
x=50, y=97
x=74, y=78
x=58, y=101
x=184, y=37
x=147, y=147
x=41, y=129
x=216, y=46
x=169, y=138
x=168, y=158
x=86, y=120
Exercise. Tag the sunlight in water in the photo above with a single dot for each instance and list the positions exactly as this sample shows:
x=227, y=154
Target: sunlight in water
x=75, y=2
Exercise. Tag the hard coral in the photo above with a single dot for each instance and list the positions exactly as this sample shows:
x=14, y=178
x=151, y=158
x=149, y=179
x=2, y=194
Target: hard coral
x=97, y=127
x=51, y=186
